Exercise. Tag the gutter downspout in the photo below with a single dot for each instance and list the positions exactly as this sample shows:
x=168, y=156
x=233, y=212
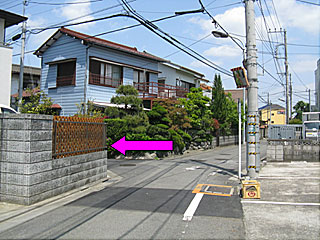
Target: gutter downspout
x=86, y=81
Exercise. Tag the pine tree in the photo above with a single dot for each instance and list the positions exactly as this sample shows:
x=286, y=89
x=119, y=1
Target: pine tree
x=219, y=101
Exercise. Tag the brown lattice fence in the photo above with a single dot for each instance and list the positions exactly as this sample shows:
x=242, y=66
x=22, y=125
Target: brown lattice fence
x=75, y=136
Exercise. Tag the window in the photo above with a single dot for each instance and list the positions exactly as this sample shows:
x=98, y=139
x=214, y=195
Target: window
x=105, y=74
x=66, y=73
x=187, y=85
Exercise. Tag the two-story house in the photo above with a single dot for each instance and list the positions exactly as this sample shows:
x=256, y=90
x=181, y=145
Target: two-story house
x=76, y=68
x=273, y=114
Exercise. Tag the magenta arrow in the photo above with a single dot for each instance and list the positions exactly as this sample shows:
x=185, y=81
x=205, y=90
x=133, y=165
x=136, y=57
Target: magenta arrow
x=122, y=145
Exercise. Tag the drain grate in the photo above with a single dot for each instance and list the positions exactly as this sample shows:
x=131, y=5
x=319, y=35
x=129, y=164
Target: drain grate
x=211, y=189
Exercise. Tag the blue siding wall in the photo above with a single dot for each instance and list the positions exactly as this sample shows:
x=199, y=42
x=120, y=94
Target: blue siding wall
x=104, y=94
x=68, y=96
x=121, y=57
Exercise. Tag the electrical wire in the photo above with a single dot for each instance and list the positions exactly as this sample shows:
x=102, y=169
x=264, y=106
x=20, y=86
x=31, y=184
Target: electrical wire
x=275, y=11
x=297, y=76
x=66, y=3
x=13, y=6
x=167, y=37
x=277, y=80
x=107, y=32
x=217, y=24
x=227, y=5
x=276, y=63
x=316, y=4
x=57, y=25
x=293, y=44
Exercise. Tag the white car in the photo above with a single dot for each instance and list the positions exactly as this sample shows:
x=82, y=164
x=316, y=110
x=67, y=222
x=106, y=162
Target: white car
x=6, y=109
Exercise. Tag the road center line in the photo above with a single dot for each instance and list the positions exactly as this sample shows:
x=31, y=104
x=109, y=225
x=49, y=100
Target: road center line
x=282, y=203
x=192, y=207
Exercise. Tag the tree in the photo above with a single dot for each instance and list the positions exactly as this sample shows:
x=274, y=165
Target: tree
x=295, y=121
x=232, y=119
x=219, y=102
x=127, y=95
x=177, y=114
x=37, y=103
x=197, y=107
x=299, y=108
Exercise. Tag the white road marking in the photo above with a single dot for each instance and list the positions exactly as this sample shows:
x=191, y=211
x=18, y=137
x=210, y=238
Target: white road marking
x=282, y=203
x=287, y=177
x=192, y=207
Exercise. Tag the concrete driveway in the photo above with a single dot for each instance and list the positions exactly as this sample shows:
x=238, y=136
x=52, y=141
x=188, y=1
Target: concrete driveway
x=289, y=207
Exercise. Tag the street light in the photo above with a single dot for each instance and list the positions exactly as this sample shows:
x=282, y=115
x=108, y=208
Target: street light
x=218, y=34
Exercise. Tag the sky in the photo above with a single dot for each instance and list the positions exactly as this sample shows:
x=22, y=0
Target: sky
x=300, y=19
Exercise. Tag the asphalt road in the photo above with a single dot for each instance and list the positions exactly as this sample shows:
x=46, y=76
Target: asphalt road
x=148, y=200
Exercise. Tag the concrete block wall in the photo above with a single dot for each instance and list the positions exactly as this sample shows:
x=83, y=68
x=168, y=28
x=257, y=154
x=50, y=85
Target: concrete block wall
x=293, y=150
x=225, y=140
x=28, y=173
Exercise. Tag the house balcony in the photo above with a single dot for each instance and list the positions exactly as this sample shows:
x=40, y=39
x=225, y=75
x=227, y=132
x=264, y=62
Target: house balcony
x=152, y=90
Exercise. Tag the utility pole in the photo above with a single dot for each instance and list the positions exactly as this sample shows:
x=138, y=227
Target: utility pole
x=309, y=100
x=244, y=112
x=23, y=39
x=239, y=138
x=286, y=70
x=287, y=75
x=290, y=97
x=253, y=141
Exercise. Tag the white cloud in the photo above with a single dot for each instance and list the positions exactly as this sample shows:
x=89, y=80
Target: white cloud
x=304, y=64
x=198, y=64
x=299, y=15
x=73, y=11
x=223, y=51
x=232, y=20
x=34, y=40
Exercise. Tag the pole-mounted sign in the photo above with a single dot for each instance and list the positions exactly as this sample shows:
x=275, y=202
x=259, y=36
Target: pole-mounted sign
x=240, y=77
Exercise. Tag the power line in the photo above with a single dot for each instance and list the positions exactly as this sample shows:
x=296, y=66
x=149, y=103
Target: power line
x=293, y=44
x=317, y=4
x=276, y=63
x=227, y=5
x=73, y=19
x=190, y=45
x=216, y=23
x=167, y=37
x=13, y=6
x=270, y=74
x=66, y=3
x=104, y=33
x=298, y=77
x=275, y=11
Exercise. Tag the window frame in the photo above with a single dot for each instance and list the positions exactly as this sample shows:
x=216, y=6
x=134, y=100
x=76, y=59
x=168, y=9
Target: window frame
x=103, y=79
x=69, y=82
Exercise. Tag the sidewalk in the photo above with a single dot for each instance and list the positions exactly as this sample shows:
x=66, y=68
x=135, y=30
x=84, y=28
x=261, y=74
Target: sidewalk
x=289, y=207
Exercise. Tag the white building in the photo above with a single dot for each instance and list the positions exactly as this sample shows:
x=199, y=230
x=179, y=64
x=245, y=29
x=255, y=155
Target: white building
x=317, y=85
x=7, y=19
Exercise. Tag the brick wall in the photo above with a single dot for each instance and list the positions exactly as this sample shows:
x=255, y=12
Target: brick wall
x=28, y=173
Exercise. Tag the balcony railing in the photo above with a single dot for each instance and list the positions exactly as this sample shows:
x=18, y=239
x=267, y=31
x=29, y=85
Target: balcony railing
x=100, y=80
x=66, y=80
x=159, y=90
